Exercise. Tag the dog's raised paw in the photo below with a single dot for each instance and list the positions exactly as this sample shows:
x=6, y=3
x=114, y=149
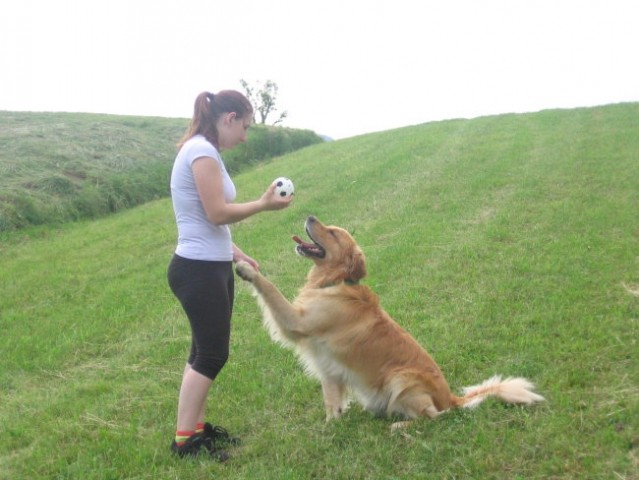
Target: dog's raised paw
x=245, y=271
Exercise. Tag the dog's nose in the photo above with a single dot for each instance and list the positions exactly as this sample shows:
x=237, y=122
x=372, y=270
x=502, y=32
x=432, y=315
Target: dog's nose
x=311, y=219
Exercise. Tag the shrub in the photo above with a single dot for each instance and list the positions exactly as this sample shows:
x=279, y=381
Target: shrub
x=266, y=142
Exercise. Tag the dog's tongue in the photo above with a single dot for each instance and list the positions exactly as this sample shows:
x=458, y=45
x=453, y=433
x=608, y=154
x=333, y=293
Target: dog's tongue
x=301, y=242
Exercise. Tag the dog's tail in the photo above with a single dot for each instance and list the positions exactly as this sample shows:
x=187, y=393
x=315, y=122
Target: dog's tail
x=510, y=390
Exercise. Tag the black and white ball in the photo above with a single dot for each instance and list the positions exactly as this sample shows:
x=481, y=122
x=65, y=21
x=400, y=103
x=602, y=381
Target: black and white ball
x=284, y=187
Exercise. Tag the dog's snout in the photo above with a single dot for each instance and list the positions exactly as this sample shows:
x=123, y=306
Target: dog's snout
x=310, y=221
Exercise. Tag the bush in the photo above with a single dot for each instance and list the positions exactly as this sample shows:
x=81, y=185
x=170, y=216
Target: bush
x=266, y=142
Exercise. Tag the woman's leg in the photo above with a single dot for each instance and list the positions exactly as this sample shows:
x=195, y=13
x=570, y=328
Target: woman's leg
x=205, y=290
x=192, y=401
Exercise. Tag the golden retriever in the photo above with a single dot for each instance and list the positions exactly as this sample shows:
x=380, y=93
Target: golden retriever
x=346, y=340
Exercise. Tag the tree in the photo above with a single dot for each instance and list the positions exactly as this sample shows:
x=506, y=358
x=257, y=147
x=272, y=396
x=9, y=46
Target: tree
x=263, y=97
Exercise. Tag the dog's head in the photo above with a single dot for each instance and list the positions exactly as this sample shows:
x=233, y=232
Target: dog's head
x=334, y=251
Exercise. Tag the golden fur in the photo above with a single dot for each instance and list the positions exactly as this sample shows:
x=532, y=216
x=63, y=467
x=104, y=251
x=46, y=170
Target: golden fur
x=349, y=343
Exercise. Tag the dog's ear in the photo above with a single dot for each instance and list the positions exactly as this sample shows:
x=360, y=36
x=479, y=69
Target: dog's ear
x=356, y=265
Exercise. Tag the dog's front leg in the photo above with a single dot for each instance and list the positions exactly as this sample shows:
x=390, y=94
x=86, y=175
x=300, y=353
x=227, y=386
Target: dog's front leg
x=282, y=312
x=334, y=393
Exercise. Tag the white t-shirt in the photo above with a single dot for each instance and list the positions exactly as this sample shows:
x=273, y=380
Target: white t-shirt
x=198, y=238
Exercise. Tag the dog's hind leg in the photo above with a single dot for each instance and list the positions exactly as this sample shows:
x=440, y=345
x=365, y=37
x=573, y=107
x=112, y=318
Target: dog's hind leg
x=416, y=406
x=395, y=426
x=412, y=405
x=419, y=406
x=334, y=392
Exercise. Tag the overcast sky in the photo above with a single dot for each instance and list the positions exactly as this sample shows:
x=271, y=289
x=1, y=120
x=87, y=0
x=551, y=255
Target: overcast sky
x=343, y=67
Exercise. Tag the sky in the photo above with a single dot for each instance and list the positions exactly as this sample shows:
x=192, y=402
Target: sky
x=343, y=67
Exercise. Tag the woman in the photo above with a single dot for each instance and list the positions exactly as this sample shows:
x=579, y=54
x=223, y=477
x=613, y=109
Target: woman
x=200, y=273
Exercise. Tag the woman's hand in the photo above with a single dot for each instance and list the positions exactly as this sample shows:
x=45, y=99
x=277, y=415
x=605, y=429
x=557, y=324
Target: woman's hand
x=271, y=201
x=239, y=255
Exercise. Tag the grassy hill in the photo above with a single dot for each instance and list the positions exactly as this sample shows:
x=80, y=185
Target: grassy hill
x=57, y=167
x=504, y=244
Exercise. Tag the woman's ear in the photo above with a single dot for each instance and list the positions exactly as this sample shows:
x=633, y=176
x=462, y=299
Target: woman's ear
x=229, y=117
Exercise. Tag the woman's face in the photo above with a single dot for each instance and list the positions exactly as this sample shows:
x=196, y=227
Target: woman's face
x=232, y=130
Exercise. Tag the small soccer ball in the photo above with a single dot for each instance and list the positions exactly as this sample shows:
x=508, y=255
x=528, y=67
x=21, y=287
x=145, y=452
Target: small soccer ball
x=284, y=187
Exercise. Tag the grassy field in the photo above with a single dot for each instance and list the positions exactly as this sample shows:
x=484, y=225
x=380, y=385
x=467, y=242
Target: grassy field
x=506, y=244
x=60, y=167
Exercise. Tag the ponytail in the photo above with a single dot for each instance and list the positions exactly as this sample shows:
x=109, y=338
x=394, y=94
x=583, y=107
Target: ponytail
x=207, y=110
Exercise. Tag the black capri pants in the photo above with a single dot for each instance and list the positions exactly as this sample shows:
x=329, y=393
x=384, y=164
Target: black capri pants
x=206, y=290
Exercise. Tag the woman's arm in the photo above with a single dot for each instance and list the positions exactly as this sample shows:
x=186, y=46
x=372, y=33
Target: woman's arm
x=208, y=180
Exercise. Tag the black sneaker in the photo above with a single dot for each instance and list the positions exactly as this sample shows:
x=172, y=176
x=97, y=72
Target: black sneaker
x=216, y=435
x=192, y=447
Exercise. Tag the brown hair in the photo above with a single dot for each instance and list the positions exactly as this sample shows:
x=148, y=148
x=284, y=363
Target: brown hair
x=209, y=108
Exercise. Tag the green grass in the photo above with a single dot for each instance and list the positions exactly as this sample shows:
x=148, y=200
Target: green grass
x=503, y=244
x=57, y=167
